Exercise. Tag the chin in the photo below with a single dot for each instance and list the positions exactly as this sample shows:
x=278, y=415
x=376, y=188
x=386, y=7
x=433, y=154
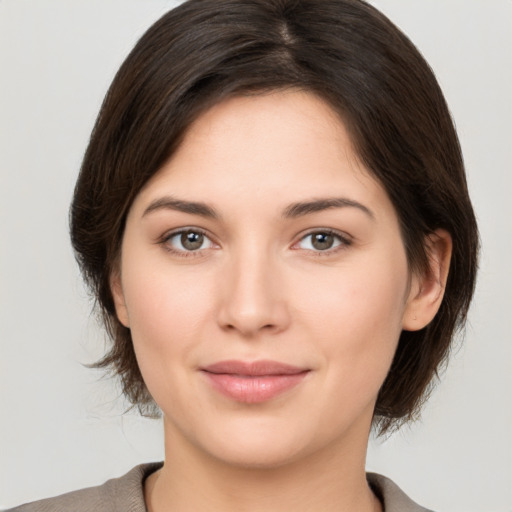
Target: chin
x=258, y=455
x=253, y=444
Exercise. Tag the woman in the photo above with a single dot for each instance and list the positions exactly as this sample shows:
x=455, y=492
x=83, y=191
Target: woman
x=273, y=215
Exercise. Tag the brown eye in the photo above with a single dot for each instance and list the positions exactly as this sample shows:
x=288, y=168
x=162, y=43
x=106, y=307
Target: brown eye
x=322, y=241
x=187, y=241
x=191, y=240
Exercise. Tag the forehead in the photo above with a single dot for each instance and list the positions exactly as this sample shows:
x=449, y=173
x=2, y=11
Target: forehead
x=284, y=123
x=268, y=149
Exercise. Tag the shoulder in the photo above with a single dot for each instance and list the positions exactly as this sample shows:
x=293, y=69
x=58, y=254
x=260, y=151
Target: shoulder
x=123, y=494
x=392, y=497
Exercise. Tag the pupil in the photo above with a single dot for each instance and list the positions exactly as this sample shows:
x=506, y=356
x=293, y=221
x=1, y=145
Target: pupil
x=191, y=240
x=322, y=241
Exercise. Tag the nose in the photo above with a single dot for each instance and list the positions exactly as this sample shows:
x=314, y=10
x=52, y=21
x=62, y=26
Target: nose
x=253, y=298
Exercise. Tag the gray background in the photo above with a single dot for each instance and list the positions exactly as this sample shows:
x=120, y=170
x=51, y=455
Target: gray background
x=61, y=426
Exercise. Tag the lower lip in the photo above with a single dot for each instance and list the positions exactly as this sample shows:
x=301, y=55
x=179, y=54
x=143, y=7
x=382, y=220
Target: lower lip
x=253, y=389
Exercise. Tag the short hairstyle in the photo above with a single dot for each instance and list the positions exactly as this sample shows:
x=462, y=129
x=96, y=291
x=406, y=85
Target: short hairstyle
x=345, y=52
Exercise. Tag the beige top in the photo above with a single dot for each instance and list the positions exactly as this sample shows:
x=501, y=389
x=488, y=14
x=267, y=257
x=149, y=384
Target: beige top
x=126, y=494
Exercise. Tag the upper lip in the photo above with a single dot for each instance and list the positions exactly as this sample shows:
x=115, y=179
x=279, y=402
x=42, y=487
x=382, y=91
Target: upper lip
x=253, y=368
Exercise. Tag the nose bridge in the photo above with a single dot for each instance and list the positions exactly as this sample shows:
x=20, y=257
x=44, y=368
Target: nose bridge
x=253, y=298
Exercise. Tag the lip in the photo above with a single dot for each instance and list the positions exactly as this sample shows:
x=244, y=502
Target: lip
x=253, y=382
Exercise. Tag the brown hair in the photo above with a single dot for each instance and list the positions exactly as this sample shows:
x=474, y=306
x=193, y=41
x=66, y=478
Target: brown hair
x=344, y=51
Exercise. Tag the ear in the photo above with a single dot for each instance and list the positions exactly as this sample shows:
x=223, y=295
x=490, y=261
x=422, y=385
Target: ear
x=427, y=290
x=116, y=289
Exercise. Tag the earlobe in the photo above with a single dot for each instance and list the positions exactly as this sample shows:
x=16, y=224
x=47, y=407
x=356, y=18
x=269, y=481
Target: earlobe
x=116, y=289
x=427, y=290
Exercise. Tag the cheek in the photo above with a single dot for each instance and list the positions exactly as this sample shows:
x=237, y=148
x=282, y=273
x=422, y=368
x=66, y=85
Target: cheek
x=355, y=314
x=160, y=294
x=167, y=320
x=354, y=320
x=167, y=312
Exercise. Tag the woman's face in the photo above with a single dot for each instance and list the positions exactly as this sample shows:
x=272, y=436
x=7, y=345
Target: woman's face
x=265, y=283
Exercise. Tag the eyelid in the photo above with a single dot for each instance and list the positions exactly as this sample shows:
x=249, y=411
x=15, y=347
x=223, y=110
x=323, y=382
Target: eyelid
x=168, y=235
x=345, y=239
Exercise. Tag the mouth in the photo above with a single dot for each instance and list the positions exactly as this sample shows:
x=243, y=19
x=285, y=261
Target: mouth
x=253, y=382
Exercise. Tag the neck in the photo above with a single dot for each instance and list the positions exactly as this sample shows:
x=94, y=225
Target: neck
x=189, y=480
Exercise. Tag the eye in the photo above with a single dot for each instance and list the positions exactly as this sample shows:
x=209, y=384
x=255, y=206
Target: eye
x=189, y=240
x=322, y=241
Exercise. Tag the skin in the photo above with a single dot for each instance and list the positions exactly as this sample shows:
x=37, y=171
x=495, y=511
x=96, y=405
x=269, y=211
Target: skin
x=257, y=288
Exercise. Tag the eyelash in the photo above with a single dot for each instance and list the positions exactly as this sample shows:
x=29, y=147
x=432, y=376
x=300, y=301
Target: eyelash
x=164, y=241
x=343, y=239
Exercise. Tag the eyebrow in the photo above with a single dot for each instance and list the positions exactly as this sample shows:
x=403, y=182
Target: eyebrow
x=294, y=210
x=317, y=205
x=193, y=207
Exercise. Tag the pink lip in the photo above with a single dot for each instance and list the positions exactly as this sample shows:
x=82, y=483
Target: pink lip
x=253, y=382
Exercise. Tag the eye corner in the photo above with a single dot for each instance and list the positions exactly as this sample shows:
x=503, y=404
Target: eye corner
x=328, y=242
x=195, y=246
